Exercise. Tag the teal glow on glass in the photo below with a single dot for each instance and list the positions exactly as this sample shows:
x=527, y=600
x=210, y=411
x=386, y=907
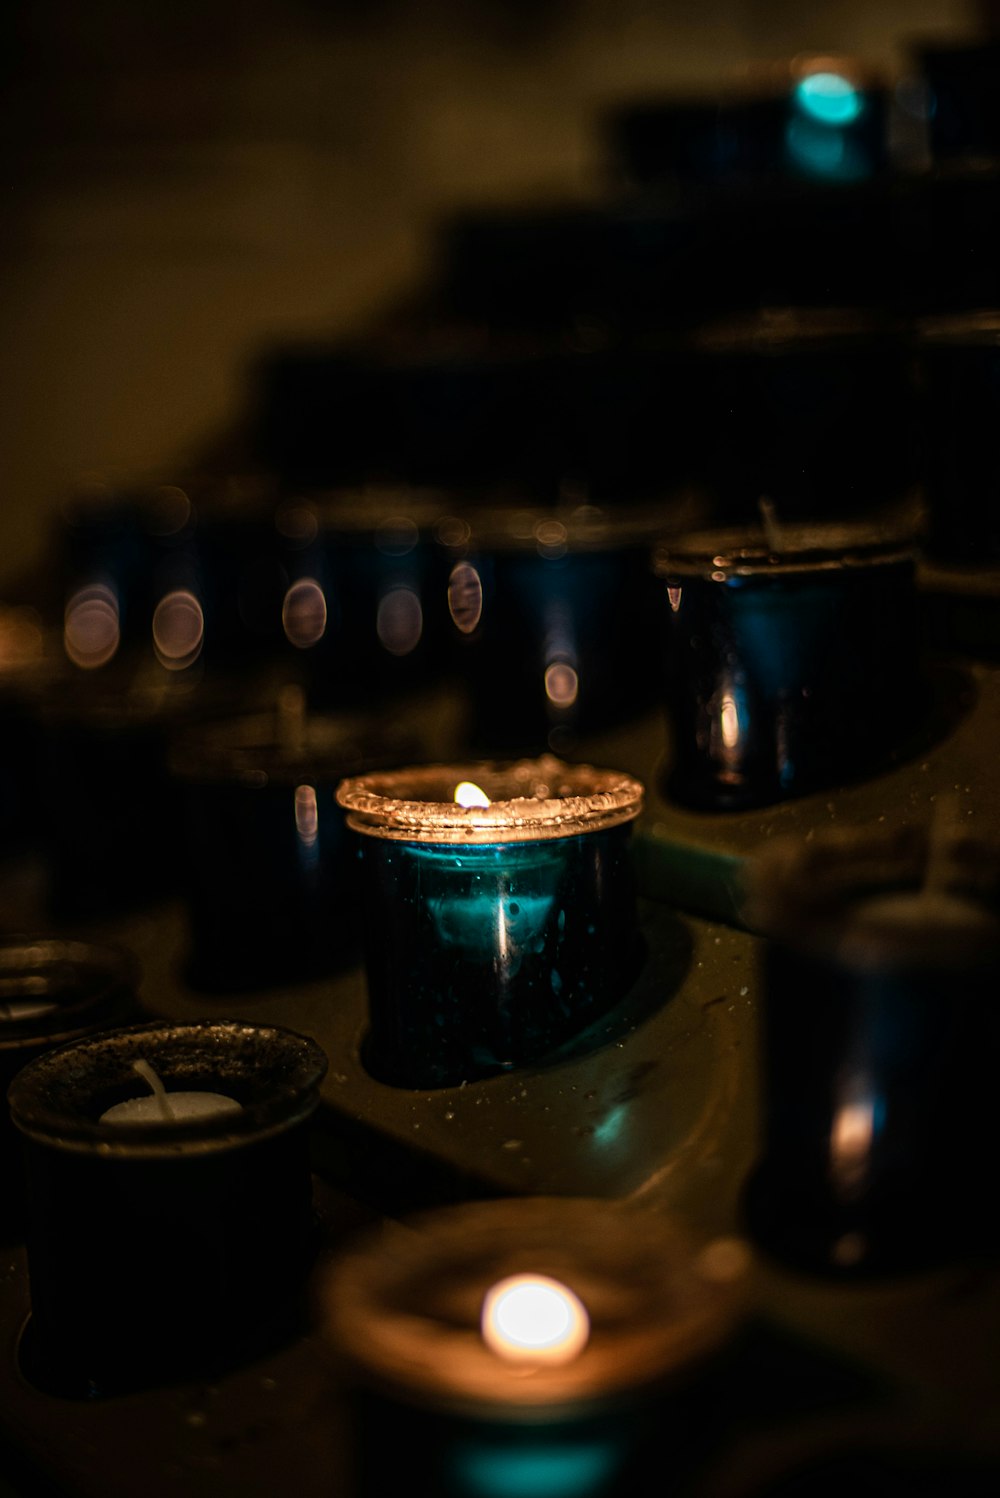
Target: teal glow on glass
x=829, y=98
x=534, y=1468
x=499, y=932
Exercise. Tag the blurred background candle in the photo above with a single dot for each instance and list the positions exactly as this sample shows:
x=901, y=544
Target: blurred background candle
x=553, y=613
x=539, y=1348
x=791, y=661
x=52, y=990
x=879, y=1028
x=165, y=1249
x=268, y=868
x=494, y=933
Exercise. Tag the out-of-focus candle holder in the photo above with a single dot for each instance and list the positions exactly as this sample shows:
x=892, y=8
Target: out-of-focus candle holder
x=407, y=1315
x=366, y=601
x=52, y=991
x=810, y=406
x=131, y=575
x=553, y=613
x=494, y=933
x=879, y=1032
x=791, y=664
x=29, y=667
x=268, y=865
x=108, y=808
x=818, y=117
x=960, y=367
x=165, y=1250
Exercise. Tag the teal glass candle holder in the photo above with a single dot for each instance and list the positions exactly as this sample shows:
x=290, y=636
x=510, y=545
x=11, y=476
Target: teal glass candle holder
x=540, y=1347
x=500, y=912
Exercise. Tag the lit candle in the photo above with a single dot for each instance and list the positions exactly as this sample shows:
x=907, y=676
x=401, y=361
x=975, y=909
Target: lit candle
x=168, y=1107
x=520, y=1346
x=532, y=1319
x=500, y=911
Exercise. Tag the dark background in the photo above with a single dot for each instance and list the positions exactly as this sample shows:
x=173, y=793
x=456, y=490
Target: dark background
x=186, y=180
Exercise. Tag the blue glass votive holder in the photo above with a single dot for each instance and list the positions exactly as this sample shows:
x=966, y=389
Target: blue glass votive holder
x=553, y=613
x=878, y=1036
x=422, y=1320
x=791, y=664
x=500, y=912
x=960, y=366
x=267, y=868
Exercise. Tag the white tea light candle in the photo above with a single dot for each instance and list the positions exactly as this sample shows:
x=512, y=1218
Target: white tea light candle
x=162, y=1106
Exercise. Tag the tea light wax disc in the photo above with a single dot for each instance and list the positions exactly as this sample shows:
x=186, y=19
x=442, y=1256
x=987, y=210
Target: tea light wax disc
x=181, y=1107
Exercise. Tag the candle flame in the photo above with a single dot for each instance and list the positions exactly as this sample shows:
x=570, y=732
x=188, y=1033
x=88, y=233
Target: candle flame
x=467, y=793
x=529, y=1318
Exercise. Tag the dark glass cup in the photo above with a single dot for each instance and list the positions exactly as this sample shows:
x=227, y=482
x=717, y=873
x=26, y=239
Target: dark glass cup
x=494, y=934
x=554, y=612
x=52, y=990
x=960, y=376
x=790, y=666
x=165, y=1250
x=268, y=869
x=879, y=1023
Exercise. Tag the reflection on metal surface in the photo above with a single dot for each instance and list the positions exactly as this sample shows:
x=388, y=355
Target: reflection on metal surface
x=178, y=630
x=91, y=631
x=674, y=595
x=530, y=1318
x=400, y=621
x=465, y=597
x=562, y=684
x=304, y=614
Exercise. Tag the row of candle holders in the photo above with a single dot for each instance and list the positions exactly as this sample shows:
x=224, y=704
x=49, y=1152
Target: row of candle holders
x=786, y=658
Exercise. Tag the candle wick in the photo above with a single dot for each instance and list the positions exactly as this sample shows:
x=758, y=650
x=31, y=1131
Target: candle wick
x=772, y=526
x=148, y=1075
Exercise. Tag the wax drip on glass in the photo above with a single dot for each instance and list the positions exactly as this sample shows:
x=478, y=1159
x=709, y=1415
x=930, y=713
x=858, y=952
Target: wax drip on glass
x=168, y=1107
x=534, y=1321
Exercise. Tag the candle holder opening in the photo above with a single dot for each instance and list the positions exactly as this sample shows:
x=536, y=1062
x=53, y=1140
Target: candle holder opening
x=497, y=932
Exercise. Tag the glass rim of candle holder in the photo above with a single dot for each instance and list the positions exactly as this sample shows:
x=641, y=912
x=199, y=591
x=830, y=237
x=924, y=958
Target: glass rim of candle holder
x=811, y=897
x=565, y=526
x=737, y=552
x=251, y=749
x=402, y=1304
x=52, y=1100
x=540, y=799
x=115, y=972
